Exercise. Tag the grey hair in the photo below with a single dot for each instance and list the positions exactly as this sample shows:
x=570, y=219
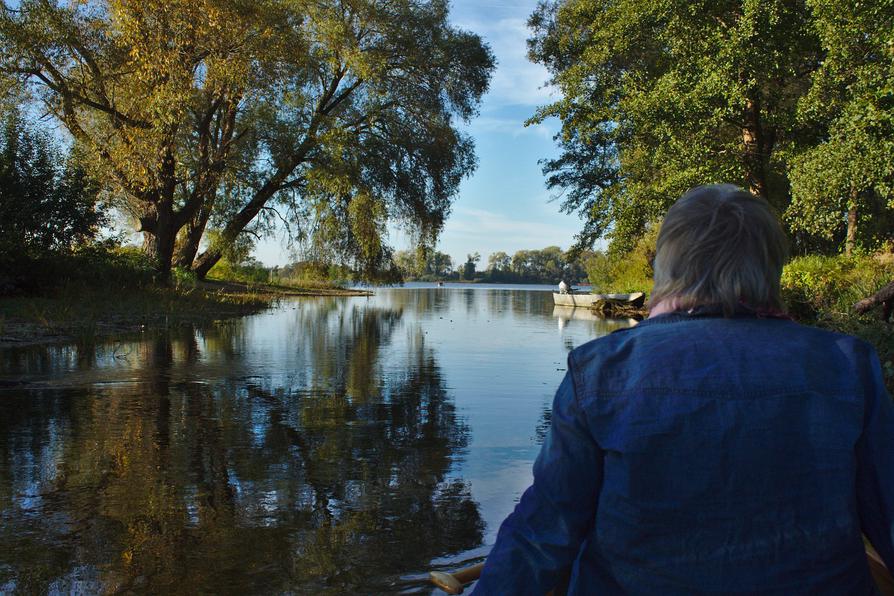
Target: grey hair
x=720, y=245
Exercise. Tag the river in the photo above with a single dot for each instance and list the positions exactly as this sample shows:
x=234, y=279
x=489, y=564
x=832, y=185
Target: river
x=324, y=446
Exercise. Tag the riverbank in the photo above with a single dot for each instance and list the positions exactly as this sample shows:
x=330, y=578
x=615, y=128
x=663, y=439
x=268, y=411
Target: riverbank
x=82, y=314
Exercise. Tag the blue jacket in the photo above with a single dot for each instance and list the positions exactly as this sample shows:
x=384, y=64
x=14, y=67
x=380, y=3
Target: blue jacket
x=701, y=454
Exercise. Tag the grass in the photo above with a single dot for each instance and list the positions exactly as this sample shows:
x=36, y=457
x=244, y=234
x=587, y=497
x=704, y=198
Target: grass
x=82, y=313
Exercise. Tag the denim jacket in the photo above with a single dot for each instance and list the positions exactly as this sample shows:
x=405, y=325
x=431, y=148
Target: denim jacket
x=702, y=454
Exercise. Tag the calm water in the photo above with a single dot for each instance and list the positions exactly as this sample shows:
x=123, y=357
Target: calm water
x=326, y=446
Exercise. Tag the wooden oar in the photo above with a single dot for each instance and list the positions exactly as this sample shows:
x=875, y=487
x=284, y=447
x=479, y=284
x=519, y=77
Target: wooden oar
x=454, y=583
x=880, y=573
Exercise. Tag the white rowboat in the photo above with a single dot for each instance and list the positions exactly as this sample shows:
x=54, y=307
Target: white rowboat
x=586, y=300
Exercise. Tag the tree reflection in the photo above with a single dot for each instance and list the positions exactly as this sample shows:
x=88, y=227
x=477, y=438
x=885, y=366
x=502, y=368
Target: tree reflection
x=331, y=478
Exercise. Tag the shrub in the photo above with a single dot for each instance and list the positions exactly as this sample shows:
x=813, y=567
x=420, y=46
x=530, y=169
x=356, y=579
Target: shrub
x=248, y=271
x=817, y=287
x=96, y=265
x=47, y=201
x=822, y=290
x=629, y=272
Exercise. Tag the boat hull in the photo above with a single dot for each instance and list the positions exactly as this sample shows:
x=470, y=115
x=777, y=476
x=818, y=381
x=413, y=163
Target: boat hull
x=636, y=299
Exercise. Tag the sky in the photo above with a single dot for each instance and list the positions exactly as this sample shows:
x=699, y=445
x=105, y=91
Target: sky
x=504, y=205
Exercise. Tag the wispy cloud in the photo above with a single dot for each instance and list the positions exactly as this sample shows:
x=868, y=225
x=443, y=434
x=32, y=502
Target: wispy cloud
x=517, y=81
x=488, y=231
x=511, y=126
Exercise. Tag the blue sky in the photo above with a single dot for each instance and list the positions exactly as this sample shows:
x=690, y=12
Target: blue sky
x=504, y=205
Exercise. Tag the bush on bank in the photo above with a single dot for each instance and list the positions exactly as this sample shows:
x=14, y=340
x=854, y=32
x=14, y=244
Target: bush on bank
x=822, y=290
x=819, y=287
x=94, y=265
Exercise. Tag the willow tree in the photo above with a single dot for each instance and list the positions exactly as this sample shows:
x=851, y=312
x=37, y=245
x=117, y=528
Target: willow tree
x=339, y=116
x=658, y=96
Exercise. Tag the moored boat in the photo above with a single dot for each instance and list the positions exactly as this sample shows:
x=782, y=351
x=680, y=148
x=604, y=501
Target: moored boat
x=636, y=299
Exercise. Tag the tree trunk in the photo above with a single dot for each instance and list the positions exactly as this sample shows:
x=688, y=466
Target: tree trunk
x=234, y=227
x=885, y=297
x=850, y=240
x=195, y=229
x=210, y=257
x=159, y=243
x=757, y=150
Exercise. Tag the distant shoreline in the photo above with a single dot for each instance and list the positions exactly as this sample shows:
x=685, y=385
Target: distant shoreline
x=487, y=281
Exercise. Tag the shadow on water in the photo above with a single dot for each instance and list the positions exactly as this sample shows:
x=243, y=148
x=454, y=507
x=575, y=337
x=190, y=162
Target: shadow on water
x=234, y=458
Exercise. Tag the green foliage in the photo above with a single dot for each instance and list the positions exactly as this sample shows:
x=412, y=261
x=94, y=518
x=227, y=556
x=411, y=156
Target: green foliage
x=821, y=290
x=852, y=101
x=310, y=274
x=467, y=272
x=826, y=287
x=499, y=262
x=628, y=272
x=101, y=265
x=335, y=116
x=247, y=271
x=549, y=265
x=792, y=99
x=47, y=202
x=183, y=279
x=424, y=265
x=658, y=97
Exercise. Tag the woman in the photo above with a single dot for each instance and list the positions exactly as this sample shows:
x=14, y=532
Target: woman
x=716, y=447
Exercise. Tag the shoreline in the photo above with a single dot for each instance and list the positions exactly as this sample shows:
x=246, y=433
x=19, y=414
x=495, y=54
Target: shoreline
x=82, y=315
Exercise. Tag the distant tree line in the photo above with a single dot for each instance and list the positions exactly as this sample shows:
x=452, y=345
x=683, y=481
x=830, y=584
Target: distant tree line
x=549, y=265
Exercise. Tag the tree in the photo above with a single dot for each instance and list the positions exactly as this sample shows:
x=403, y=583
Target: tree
x=406, y=262
x=438, y=264
x=849, y=175
x=658, y=97
x=499, y=261
x=521, y=263
x=47, y=203
x=548, y=264
x=217, y=113
x=468, y=270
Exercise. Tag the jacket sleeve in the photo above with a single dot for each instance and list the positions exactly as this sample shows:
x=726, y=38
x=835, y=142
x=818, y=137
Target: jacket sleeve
x=875, y=467
x=539, y=541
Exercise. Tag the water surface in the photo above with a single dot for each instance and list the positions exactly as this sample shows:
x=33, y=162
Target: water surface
x=327, y=445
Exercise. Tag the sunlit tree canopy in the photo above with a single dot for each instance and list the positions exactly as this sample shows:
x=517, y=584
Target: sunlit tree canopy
x=335, y=117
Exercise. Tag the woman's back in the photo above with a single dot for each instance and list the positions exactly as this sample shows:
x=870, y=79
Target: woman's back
x=712, y=448
x=728, y=456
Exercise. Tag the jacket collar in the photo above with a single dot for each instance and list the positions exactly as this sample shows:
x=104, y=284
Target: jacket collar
x=713, y=311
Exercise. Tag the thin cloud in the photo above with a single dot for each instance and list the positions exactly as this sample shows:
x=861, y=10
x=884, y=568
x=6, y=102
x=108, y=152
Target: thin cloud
x=517, y=80
x=510, y=126
x=488, y=232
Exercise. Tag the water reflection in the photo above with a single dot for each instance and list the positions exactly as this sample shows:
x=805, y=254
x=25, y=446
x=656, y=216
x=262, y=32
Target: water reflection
x=315, y=448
